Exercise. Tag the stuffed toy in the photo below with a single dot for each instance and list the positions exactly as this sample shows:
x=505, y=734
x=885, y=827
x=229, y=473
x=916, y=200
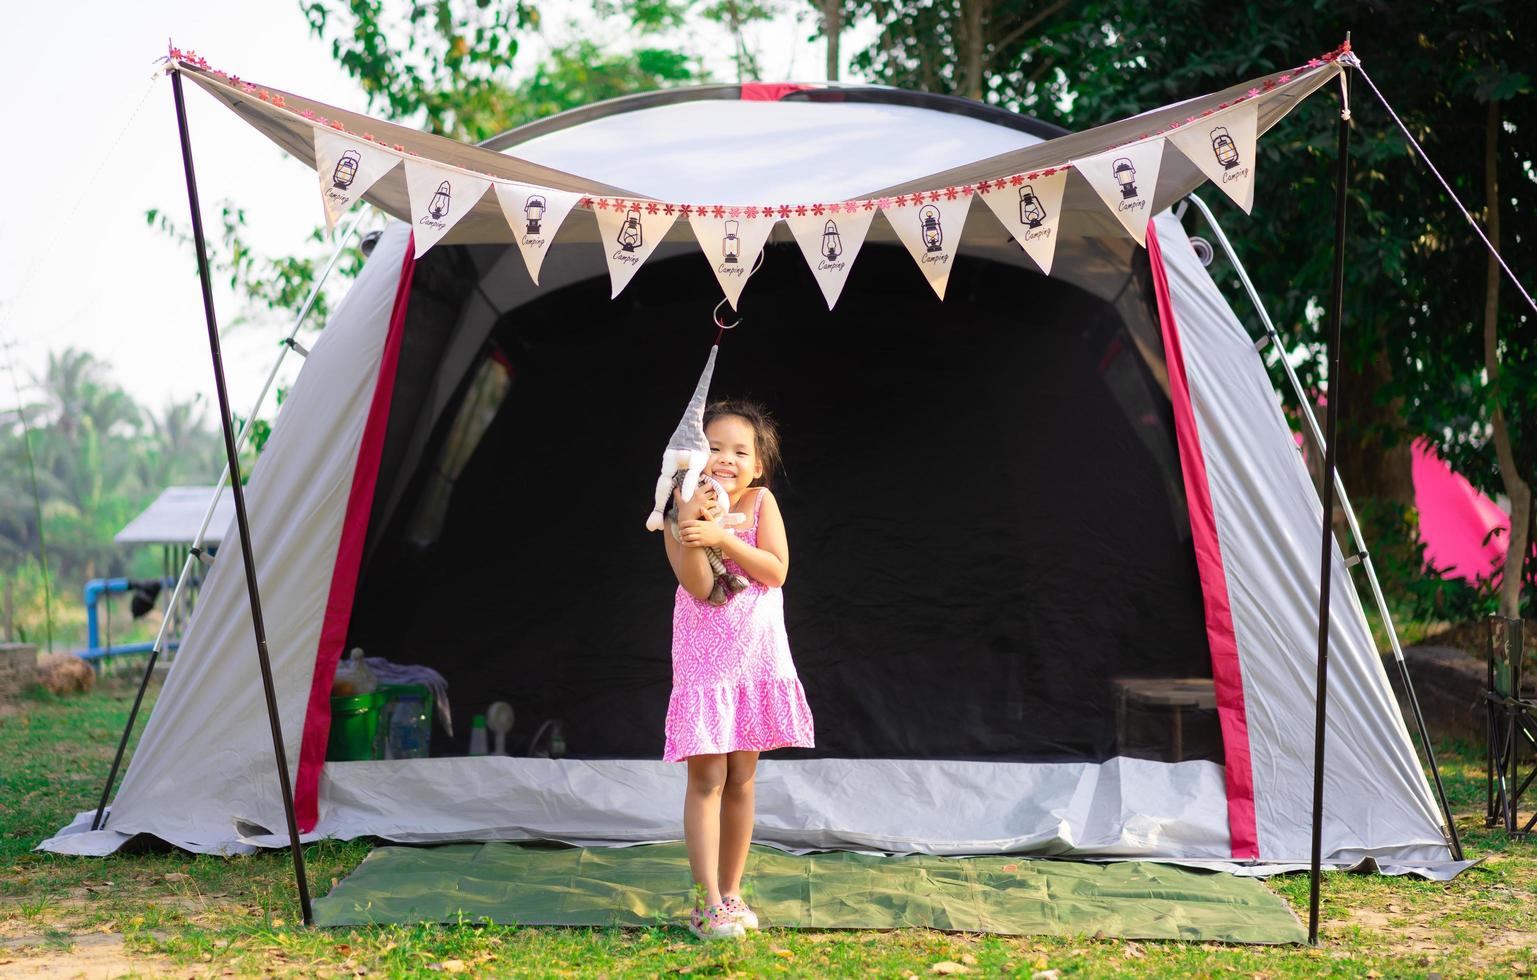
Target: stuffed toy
x=687, y=451
x=726, y=584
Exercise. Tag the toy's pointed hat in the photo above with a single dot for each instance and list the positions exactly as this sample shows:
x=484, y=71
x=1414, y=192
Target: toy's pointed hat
x=690, y=431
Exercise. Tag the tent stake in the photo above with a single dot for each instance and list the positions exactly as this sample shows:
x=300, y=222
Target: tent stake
x=239, y=493
x=1336, y=304
x=197, y=542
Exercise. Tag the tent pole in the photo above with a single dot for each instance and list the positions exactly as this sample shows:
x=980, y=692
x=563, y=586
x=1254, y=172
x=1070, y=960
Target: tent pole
x=208, y=512
x=1449, y=827
x=239, y=493
x=1336, y=306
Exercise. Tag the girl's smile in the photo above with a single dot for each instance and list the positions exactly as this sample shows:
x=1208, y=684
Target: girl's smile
x=733, y=454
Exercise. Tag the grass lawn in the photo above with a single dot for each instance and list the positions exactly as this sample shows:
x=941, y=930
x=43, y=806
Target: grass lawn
x=195, y=915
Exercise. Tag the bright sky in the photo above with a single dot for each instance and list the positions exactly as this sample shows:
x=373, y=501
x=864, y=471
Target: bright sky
x=81, y=268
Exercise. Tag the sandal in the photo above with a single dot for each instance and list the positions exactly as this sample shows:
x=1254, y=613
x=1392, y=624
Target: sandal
x=715, y=922
x=740, y=912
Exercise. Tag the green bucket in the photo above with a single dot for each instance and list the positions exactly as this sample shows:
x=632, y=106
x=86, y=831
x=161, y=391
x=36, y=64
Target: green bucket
x=355, y=728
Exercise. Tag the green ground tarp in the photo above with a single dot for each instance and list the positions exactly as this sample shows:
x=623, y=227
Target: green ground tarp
x=648, y=884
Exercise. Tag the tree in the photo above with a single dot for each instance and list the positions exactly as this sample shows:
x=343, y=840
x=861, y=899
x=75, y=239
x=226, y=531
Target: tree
x=1414, y=352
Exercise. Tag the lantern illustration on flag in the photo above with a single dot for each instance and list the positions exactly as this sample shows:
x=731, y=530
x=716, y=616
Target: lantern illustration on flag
x=1031, y=211
x=832, y=242
x=533, y=212
x=629, y=232
x=439, y=204
x=1126, y=176
x=928, y=222
x=732, y=246
x=1223, y=146
x=346, y=170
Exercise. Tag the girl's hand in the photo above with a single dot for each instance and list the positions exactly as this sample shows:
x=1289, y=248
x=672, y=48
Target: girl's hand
x=701, y=534
x=703, y=507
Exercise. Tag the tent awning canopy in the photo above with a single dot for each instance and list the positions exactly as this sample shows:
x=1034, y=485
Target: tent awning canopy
x=176, y=515
x=806, y=144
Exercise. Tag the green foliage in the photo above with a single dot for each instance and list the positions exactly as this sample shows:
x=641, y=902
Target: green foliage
x=444, y=63
x=1412, y=340
x=100, y=459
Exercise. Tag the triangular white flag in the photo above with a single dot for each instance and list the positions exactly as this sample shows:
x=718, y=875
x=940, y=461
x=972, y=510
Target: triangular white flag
x=347, y=168
x=1030, y=211
x=535, y=214
x=830, y=242
x=1125, y=178
x=931, y=230
x=439, y=198
x=731, y=243
x=629, y=231
x=1223, y=145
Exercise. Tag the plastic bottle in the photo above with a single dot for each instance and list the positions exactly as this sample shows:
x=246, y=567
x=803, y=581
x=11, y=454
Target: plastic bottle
x=353, y=676
x=478, y=735
x=409, y=729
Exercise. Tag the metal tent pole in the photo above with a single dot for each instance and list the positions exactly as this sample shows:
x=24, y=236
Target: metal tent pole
x=1336, y=309
x=288, y=344
x=1449, y=827
x=241, y=519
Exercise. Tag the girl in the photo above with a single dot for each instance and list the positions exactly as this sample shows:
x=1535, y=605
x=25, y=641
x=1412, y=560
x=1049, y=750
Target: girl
x=735, y=692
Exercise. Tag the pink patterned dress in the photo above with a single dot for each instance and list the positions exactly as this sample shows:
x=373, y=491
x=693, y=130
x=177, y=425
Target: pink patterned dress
x=734, y=686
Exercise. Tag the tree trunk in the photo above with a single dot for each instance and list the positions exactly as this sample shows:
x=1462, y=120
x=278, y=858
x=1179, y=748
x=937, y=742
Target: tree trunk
x=832, y=27
x=1375, y=461
x=972, y=44
x=1519, y=492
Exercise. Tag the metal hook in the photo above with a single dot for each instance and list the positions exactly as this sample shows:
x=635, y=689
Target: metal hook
x=715, y=315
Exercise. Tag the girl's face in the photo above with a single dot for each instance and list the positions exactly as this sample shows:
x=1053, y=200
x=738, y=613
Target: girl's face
x=733, y=453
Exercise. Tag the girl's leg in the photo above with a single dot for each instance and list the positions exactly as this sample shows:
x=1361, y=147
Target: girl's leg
x=736, y=819
x=701, y=820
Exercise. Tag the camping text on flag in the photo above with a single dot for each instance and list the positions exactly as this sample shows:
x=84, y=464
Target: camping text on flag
x=1125, y=179
x=535, y=214
x=347, y=168
x=930, y=226
x=731, y=242
x=439, y=198
x=830, y=242
x=629, y=231
x=1031, y=211
x=1222, y=145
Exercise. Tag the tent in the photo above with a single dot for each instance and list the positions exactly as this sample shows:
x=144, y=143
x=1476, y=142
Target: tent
x=1055, y=552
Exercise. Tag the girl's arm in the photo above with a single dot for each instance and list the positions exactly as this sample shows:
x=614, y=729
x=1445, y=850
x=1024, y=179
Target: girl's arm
x=768, y=563
x=690, y=565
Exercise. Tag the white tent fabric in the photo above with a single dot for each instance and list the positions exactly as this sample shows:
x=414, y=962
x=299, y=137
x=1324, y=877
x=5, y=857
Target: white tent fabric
x=203, y=776
x=205, y=758
x=1268, y=514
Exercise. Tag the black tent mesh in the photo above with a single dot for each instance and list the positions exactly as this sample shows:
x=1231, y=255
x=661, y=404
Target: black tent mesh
x=990, y=554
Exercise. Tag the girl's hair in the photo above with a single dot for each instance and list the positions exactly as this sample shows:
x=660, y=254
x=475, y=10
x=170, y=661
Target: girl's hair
x=765, y=431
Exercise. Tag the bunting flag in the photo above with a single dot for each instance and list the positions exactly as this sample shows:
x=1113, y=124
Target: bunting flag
x=535, y=214
x=830, y=243
x=1031, y=211
x=1222, y=145
x=731, y=242
x=347, y=168
x=629, y=231
x=439, y=198
x=1125, y=178
x=930, y=226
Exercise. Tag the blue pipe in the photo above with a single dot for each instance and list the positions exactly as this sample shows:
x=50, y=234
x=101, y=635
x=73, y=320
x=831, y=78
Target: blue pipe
x=94, y=590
